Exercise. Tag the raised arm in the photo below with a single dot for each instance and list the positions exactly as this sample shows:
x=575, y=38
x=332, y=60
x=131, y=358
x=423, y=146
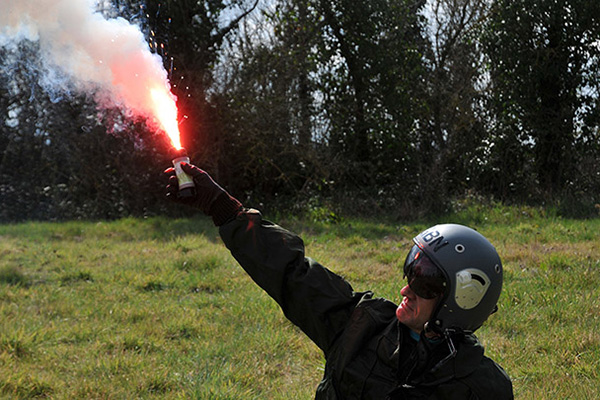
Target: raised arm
x=312, y=297
x=315, y=299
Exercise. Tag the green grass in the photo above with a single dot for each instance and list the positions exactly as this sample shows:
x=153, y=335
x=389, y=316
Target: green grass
x=157, y=308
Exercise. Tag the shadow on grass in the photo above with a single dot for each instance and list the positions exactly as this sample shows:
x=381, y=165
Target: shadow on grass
x=12, y=275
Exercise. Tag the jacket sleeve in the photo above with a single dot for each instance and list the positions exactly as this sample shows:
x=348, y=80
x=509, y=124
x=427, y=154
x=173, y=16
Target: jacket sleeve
x=318, y=301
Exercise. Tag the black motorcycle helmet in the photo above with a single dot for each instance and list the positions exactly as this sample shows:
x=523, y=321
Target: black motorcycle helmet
x=462, y=266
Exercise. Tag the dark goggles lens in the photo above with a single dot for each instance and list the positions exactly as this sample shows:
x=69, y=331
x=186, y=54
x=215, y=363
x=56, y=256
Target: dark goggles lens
x=424, y=278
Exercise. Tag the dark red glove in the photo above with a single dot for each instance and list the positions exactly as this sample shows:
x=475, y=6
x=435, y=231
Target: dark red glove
x=209, y=197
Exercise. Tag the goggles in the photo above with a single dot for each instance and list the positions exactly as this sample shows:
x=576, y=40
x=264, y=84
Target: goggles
x=424, y=278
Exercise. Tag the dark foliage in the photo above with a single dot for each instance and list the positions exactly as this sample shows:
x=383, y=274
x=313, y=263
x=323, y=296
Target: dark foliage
x=325, y=108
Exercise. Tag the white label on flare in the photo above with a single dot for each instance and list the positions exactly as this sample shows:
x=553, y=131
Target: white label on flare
x=183, y=179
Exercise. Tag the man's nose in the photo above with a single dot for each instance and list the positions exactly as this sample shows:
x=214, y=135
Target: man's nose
x=406, y=291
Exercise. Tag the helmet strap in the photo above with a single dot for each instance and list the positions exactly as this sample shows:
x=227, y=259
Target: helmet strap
x=431, y=328
x=448, y=337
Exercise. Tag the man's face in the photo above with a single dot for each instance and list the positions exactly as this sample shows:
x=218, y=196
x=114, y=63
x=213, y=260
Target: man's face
x=414, y=311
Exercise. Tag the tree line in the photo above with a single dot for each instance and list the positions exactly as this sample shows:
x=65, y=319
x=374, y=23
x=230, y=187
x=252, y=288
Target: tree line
x=396, y=107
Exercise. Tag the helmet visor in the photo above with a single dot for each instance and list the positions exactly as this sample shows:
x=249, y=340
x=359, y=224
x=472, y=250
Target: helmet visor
x=424, y=278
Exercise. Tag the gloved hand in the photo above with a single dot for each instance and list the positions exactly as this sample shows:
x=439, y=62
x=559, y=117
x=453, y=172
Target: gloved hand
x=209, y=197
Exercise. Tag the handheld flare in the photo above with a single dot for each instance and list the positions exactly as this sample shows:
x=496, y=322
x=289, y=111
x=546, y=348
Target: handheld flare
x=186, y=183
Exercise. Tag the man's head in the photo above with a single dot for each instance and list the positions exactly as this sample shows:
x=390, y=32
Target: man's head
x=426, y=284
x=454, y=280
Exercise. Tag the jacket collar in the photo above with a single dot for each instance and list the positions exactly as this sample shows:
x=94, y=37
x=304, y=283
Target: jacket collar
x=441, y=365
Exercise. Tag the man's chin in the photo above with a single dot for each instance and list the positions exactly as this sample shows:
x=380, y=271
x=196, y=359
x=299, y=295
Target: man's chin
x=402, y=314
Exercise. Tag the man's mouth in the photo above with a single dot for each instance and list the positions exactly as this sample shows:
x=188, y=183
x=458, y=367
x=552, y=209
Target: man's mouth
x=405, y=304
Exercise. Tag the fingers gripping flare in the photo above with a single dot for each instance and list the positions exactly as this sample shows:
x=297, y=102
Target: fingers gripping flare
x=208, y=196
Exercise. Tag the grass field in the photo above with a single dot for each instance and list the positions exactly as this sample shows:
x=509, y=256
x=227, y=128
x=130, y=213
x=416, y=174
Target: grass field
x=157, y=308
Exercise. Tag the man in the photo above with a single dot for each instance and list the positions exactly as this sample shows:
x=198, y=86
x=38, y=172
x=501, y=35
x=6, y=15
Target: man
x=422, y=349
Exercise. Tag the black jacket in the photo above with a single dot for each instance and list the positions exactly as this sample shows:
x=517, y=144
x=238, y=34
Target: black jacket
x=369, y=354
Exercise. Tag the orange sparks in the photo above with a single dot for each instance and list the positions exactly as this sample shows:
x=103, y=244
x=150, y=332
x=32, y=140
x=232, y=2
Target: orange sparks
x=165, y=110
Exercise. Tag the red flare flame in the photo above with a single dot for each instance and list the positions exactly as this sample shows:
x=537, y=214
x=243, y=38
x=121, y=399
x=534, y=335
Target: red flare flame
x=164, y=109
